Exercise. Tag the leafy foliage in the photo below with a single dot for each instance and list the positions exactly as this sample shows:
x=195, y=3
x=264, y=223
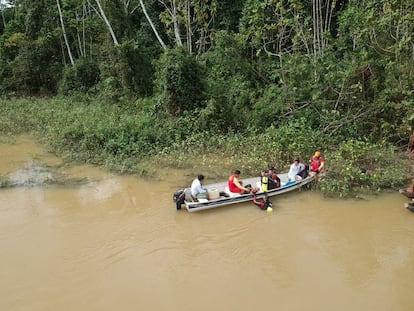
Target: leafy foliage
x=81, y=77
x=180, y=85
x=359, y=165
x=273, y=79
x=230, y=81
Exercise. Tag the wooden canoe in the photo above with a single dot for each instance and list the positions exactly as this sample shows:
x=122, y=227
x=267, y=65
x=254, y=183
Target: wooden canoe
x=406, y=193
x=220, y=196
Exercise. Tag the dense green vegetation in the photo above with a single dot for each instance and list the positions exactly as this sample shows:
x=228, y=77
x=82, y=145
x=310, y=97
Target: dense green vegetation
x=203, y=84
x=130, y=138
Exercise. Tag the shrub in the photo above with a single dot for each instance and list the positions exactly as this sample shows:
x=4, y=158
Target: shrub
x=179, y=84
x=360, y=165
x=80, y=77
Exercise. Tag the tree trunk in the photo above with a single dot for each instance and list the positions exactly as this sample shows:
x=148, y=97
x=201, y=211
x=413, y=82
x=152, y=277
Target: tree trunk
x=108, y=24
x=2, y=6
x=314, y=27
x=80, y=43
x=189, y=29
x=176, y=26
x=83, y=27
x=152, y=25
x=64, y=33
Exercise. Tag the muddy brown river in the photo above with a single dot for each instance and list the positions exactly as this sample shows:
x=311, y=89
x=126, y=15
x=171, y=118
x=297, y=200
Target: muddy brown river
x=117, y=243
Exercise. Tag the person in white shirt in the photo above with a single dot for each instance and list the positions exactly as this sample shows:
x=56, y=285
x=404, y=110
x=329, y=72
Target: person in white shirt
x=295, y=169
x=197, y=190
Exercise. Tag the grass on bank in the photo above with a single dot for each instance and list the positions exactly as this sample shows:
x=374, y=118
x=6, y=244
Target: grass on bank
x=133, y=139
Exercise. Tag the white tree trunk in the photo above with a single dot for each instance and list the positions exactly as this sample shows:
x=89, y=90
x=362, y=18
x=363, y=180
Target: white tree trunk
x=83, y=27
x=108, y=24
x=176, y=26
x=64, y=33
x=171, y=8
x=189, y=28
x=322, y=13
x=80, y=43
x=152, y=25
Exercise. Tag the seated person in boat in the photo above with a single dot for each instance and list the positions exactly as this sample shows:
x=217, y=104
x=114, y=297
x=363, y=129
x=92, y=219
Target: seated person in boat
x=270, y=180
x=410, y=189
x=303, y=173
x=235, y=185
x=408, y=192
x=197, y=190
x=295, y=170
x=411, y=146
x=274, y=178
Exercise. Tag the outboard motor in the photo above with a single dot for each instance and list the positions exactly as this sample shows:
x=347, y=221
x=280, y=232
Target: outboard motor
x=179, y=197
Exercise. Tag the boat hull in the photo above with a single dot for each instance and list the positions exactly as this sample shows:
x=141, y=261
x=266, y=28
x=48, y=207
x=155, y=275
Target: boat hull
x=409, y=206
x=406, y=193
x=237, y=198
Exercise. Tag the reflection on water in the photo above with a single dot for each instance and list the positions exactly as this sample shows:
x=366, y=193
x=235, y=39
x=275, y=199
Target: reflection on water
x=117, y=243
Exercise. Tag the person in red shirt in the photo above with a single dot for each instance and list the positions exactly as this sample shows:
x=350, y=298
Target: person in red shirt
x=235, y=185
x=316, y=164
x=410, y=189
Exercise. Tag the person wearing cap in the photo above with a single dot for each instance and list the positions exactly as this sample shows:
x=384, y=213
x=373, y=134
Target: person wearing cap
x=316, y=164
x=295, y=168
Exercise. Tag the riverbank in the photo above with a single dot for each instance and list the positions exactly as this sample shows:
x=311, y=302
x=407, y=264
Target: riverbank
x=131, y=139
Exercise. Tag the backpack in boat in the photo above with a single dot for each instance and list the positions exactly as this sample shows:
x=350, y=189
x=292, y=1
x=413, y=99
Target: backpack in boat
x=179, y=197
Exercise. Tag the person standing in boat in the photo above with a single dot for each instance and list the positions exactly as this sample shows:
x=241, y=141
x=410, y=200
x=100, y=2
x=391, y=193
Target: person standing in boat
x=235, y=185
x=316, y=164
x=197, y=189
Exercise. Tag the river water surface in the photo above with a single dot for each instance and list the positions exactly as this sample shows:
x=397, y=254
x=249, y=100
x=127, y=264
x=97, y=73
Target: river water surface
x=117, y=243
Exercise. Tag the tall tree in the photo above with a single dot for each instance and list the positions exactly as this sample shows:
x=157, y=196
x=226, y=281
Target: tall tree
x=2, y=7
x=102, y=14
x=64, y=33
x=189, y=23
x=322, y=14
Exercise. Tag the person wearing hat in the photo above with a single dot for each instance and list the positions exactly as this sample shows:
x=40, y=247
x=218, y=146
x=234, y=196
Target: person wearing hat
x=316, y=164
